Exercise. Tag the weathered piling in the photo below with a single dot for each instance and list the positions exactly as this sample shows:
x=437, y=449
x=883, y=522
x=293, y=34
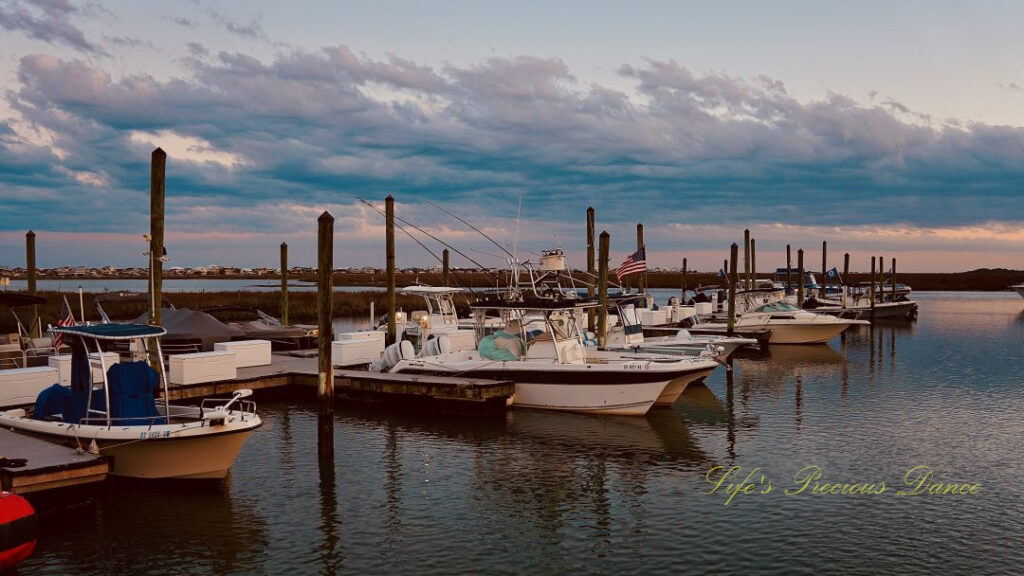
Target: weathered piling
x=732, y=274
x=641, y=281
x=684, y=281
x=893, y=279
x=800, y=278
x=591, y=270
x=284, y=283
x=389, y=228
x=846, y=274
x=158, y=165
x=35, y=329
x=602, y=287
x=444, y=268
x=753, y=264
x=871, y=290
x=746, y=258
x=824, y=271
x=789, y=269
x=325, y=312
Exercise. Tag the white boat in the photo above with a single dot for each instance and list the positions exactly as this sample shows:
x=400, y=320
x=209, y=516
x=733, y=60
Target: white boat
x=556, y=371
x=120, y=417
x=790, y=325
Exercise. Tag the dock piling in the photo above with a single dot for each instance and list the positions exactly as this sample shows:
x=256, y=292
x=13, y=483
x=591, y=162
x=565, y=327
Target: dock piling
x=444, y=268
x=284, y=283
x=746, y=258
x=871, y=290
x=602, y=287
x=733, y=256
x=389, y=227
x=789, y=269
x=325, y=312
x=753, y=264
x=800, y=278
x=824, y=270
x=591, y=271
x=846, y=275
x=683, y=299
x=158, y=165
x=893, y=279
x=35, y=328
x=641, y=282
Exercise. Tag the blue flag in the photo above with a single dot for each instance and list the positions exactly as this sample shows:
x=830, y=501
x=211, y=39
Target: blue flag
x=833, y=273
x=721, y=273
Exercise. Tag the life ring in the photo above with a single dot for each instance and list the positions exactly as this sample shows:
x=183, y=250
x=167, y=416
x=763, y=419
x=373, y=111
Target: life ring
x=18, y=527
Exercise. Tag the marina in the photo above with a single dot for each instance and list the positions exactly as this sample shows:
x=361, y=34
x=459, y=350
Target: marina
x=407, y=491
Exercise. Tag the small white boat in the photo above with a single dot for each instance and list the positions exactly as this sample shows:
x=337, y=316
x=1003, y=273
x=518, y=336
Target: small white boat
x=120, y=417
x=556, y=371
x=790, y=325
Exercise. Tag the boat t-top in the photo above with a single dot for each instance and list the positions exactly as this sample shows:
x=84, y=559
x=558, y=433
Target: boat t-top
x=119, y=415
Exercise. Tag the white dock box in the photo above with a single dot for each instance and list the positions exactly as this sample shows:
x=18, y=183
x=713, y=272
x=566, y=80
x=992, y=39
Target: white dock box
x=247, y=352
x=62, y=362
x=352, y=351
x=703, y=308
x=20, y=386
x=652, y=317
x=361, y=335
x=200, y=367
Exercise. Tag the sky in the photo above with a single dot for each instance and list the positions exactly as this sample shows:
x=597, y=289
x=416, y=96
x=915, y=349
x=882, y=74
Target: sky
x=892, y=128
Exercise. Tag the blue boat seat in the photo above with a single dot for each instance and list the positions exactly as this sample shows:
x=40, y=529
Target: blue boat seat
x=50, y=402
x=132, y=388
x=74, y=405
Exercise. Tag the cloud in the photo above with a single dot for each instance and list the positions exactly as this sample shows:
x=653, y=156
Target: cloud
x=326, y=126
x=49, y=21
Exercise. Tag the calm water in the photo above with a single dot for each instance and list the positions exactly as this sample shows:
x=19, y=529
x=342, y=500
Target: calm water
x=547, y=493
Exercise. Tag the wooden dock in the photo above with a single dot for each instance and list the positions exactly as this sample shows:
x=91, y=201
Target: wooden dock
x=290, y=371
x=47, y=466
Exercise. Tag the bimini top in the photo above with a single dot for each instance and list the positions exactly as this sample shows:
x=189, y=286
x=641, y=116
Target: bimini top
x=779, y=306
x=13, y=300
x=111, y=331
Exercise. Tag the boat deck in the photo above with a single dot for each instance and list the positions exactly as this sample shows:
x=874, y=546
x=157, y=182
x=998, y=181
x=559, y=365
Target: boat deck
x=47, y=466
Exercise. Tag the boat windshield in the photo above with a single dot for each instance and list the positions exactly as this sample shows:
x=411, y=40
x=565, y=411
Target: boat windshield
x=779, y=306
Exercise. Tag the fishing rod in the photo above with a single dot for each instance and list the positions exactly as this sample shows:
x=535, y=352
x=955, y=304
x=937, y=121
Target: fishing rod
x=500, y=247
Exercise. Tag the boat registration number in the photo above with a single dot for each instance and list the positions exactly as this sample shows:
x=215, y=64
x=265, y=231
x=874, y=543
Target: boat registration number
x=635, y=366
x=154, y=434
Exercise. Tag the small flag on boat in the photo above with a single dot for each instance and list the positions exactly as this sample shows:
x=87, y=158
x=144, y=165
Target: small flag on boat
x=833, y=273
x=721, y=273
x=66, y=319
x=634, y=263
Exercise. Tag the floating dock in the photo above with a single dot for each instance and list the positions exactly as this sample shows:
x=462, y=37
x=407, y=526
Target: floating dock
x=445, y=392
x=47, y=466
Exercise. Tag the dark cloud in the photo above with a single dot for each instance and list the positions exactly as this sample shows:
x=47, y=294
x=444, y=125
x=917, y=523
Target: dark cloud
x=324, y=127
x=49, y=21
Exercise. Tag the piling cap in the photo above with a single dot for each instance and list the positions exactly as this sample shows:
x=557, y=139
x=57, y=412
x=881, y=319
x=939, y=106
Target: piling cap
x=326, y=217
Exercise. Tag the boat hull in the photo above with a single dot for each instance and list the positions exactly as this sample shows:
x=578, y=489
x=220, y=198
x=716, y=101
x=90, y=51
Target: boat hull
x=674, y=389
x=818, y=333
x=170, y=451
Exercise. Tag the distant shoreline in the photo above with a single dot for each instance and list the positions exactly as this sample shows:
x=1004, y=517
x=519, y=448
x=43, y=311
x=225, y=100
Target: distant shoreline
x=977, y=280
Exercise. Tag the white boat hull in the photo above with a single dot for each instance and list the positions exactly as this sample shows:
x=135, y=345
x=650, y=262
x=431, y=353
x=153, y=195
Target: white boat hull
x=783, y=333
x=194, y=450
x=618, y=399
x=675, y=388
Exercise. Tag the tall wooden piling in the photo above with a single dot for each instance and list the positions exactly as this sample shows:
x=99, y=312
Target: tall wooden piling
x=753, y=264
x=871, y=291
x=641, y=281
x=684, y=282
x=158, y=165
x=846, y=275
x=591, y=269
x=893, y=279
x=602, y=288
x=733, y=279
x=325, y=313
x=389, y=227
x=746, y=258
x=35, y=328
x=284, y=283
x=800, y=278
x=444, y=268
x=789, y=269
x=824, y=263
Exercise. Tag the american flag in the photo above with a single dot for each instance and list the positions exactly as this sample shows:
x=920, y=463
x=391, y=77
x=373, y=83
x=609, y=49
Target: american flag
x=635, y=262
x=66, y=319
